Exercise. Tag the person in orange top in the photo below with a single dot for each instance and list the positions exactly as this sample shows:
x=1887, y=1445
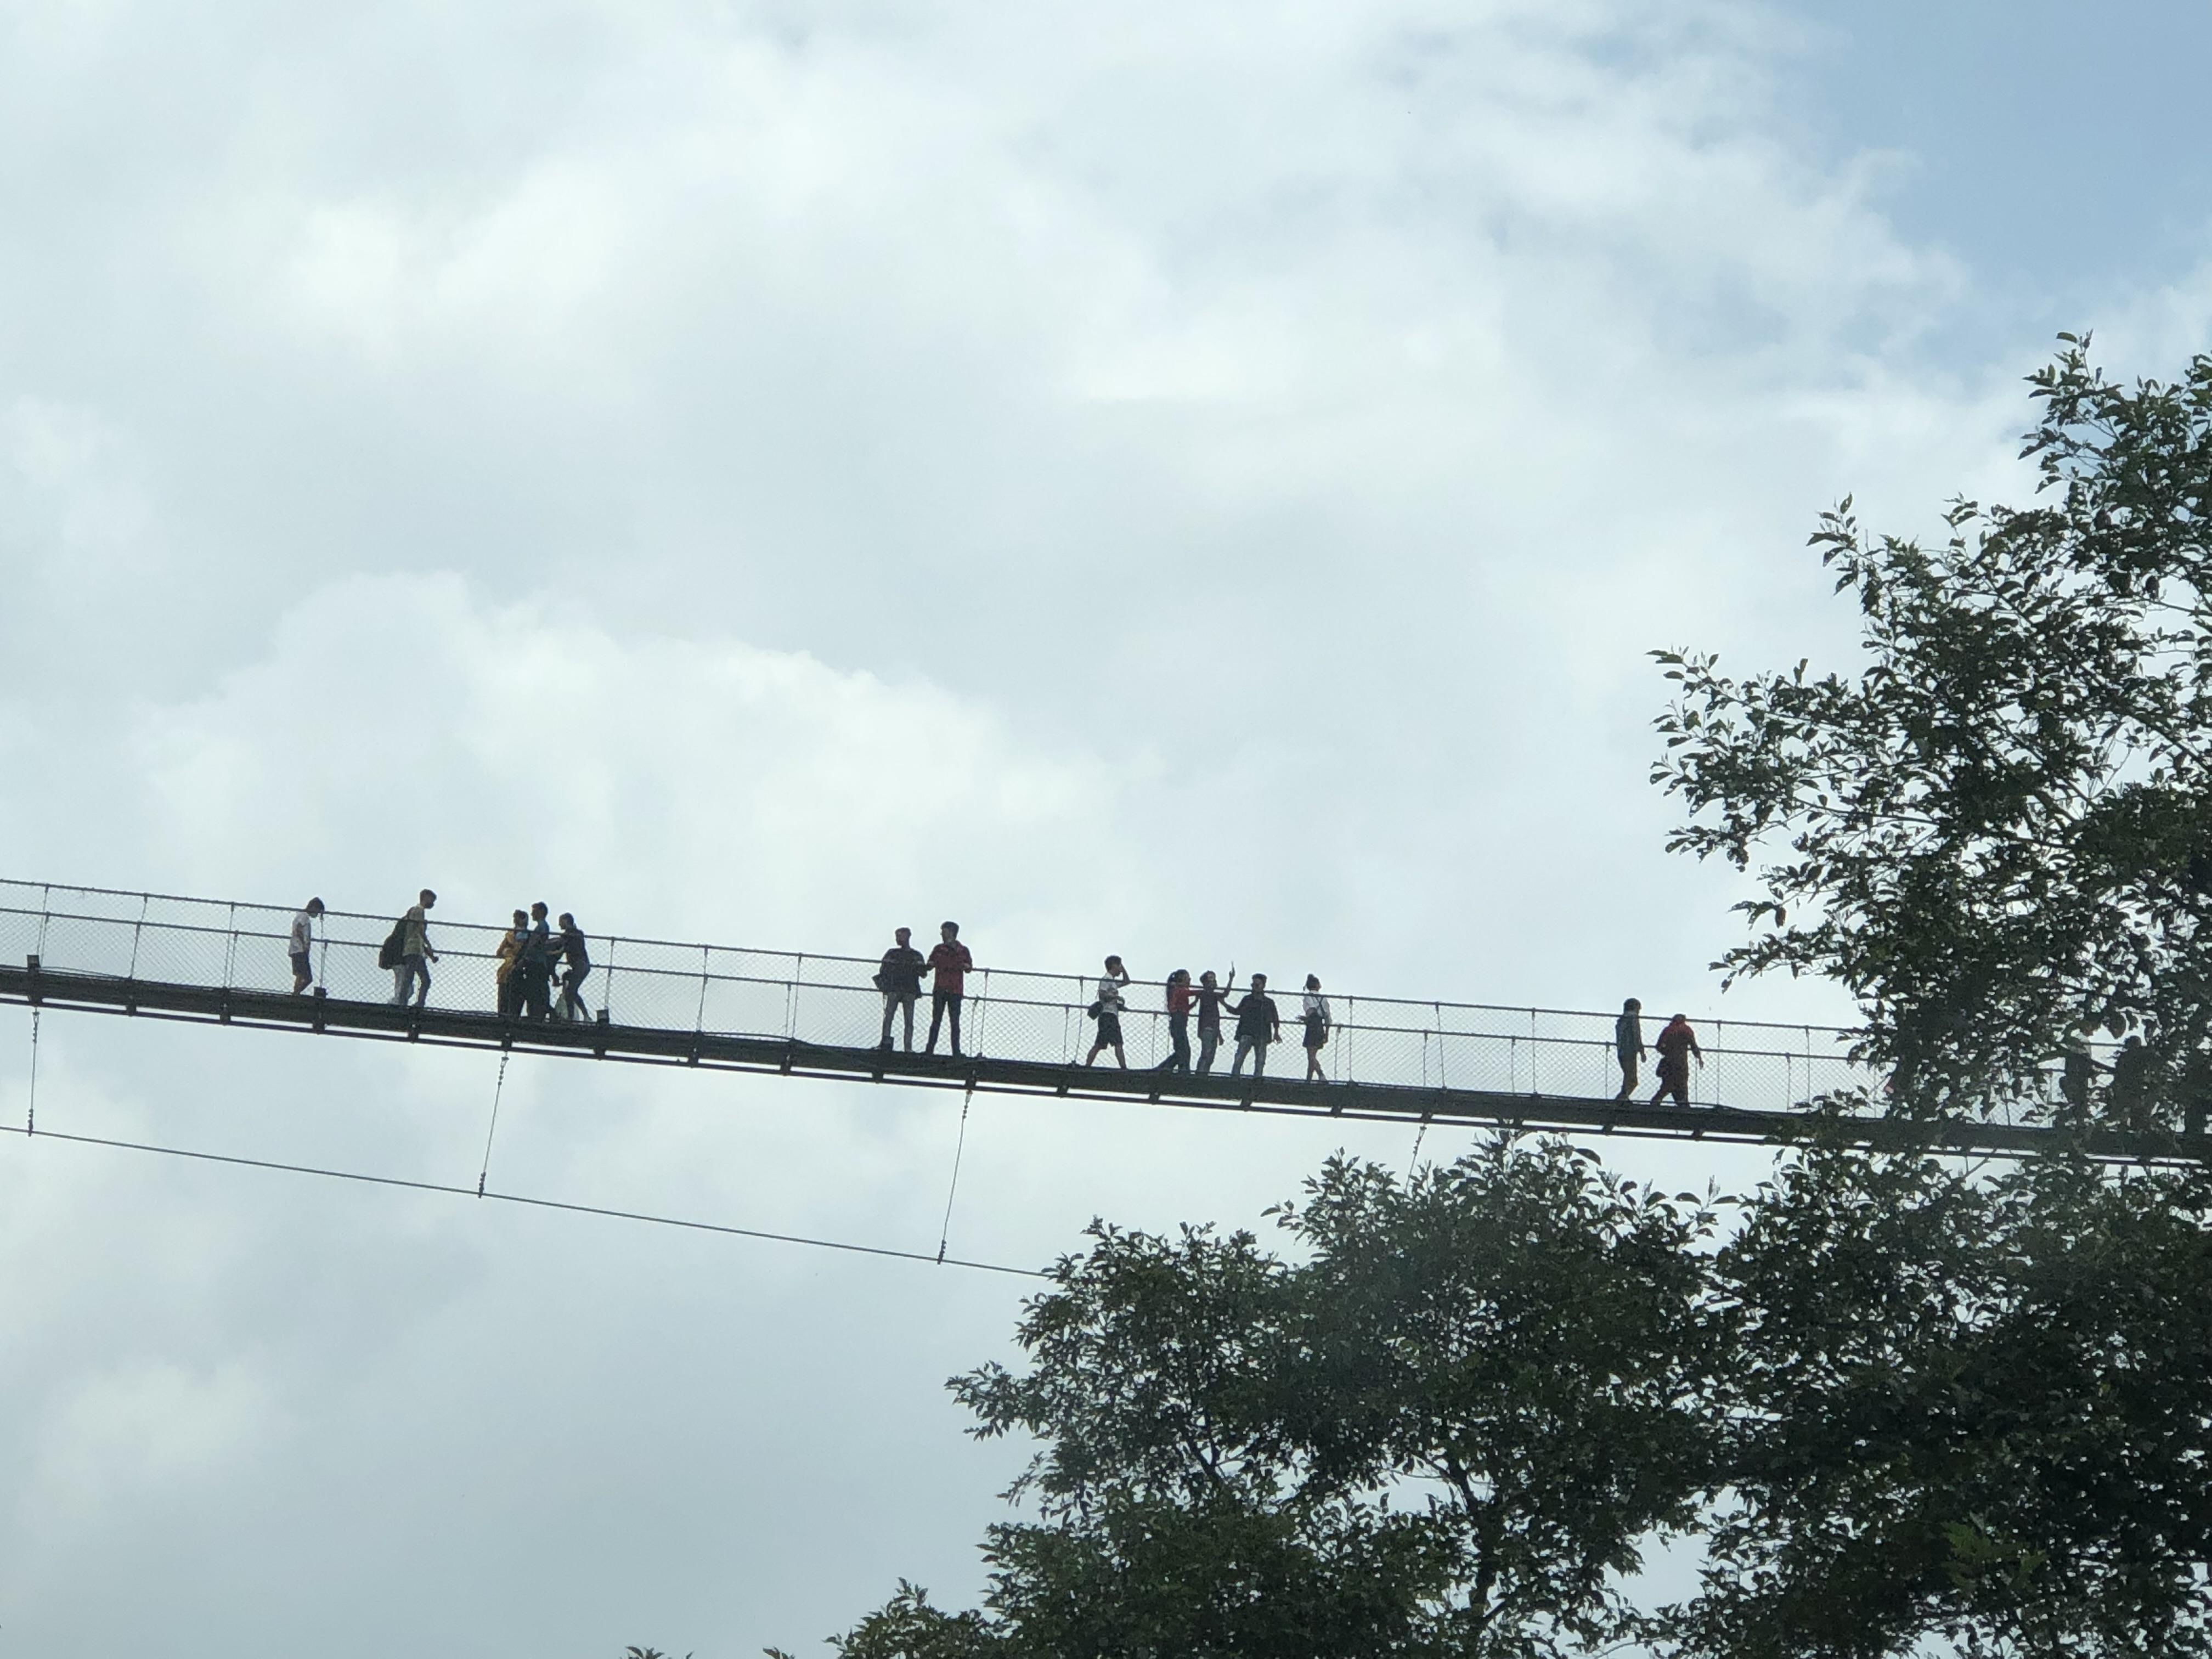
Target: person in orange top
x=1675, y=1045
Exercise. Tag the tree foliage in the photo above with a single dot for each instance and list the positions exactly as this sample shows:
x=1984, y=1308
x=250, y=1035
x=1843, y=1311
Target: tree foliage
x=1901, y=1402
x=1999, y=832
x=1444, y=1425
x=1971, y=1406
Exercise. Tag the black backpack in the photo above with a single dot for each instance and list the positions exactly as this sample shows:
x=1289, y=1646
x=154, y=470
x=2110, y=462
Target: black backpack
x=395, y=947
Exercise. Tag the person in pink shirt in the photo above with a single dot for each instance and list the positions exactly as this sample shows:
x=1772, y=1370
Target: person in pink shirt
x=950, y=964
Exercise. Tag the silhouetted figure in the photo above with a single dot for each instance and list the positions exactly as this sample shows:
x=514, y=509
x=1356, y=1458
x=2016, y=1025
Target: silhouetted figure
x=1315, y=1017
x=2131, y=1086
x=1258, y=1025
x=899, y=978
x=1628, y=1045
x=1676, y=1044
x=1106, y=1008
x=949, y=966
x=536, y=965
x=301, y=946
x=412, y=972
x=1179, y=1001
x=576, y=957
x=2075, y=1071
x=507, y=953
x=1209, y=999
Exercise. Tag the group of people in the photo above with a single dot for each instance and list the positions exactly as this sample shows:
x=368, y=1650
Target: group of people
x=1677, y=1043
x=529, y=956
x=1259, y=1021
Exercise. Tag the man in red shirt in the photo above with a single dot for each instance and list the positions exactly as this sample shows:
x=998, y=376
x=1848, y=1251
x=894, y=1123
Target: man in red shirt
x=950, y=962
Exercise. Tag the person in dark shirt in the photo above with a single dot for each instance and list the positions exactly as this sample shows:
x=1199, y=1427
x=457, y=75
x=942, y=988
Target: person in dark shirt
x=537, y=966
x=576, y=966
x=1258, y=1025
x=1675, y=1045
x=2131, y=1086
x=948, y=965
x=1628, y=1044
x=1209, y=999
x=899, y=979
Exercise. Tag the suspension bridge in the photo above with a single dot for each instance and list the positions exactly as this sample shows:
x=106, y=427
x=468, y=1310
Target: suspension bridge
x=807, y=1015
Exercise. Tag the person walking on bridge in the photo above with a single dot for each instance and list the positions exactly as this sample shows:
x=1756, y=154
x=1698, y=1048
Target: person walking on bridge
x=301, y=946
x=576, y=959
x=1179, y=1001
x=1210, y=999
x=412, y=972
x=1675, y=1044
x=948, y=967
x=1628, y=1044
x=899, y=978
x=1107, y=1010
x=1315, y=1015
x=1258, y=1025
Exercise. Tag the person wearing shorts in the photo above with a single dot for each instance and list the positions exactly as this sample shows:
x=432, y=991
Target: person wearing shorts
x=1315, y=1017
x=1107, y=1009
x=301, y=946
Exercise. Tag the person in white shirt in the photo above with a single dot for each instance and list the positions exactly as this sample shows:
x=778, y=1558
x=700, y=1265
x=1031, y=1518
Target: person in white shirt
x=303, y=944
x=1313, y=1015
x=1108, y=1008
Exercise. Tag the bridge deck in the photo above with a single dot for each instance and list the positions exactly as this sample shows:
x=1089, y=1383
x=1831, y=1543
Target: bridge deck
x=656, y=1045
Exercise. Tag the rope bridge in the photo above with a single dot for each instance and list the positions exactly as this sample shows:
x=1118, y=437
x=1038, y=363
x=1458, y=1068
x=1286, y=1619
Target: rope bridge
x=727, y=1007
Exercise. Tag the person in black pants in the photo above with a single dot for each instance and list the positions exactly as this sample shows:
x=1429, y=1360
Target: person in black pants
x=537, y=966
x=1179, y=1001
x=950, y=964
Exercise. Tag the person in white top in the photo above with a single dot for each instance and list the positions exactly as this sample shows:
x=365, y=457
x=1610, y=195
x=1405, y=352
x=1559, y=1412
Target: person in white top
x=1107, y=1011
x=1315, y=1015
x=301, y=946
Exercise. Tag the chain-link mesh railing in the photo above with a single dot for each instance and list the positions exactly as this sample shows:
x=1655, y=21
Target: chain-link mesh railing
x=1005, y=1013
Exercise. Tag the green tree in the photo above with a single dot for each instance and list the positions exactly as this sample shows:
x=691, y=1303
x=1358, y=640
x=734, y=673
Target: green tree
x=1962, y=1405
x=1443, y=1424
x=1999, y=830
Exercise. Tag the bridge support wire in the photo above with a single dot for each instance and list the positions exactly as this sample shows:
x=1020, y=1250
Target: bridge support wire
x=959, y=1146
x=498, y=1089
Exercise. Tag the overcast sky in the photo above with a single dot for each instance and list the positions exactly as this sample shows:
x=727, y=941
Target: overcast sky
x=1193, y=481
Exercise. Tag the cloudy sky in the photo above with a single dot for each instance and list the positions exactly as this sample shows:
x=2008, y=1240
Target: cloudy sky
x=1189, y=480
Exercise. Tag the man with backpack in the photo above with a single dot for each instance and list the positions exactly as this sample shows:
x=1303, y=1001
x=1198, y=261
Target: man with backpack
x=407, y=952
